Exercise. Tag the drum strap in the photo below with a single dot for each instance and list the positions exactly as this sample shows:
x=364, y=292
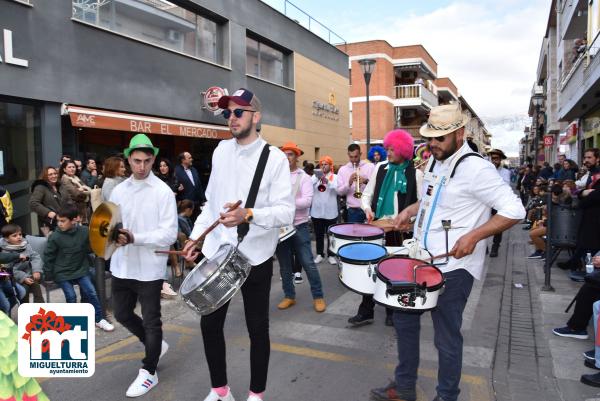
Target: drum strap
x=243, y=228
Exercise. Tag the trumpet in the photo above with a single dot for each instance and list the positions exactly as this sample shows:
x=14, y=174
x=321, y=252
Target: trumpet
x=357, y=193
x=322, y=187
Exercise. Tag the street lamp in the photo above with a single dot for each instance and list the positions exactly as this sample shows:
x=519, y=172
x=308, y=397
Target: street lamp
x=367, y=66
x=537, y=100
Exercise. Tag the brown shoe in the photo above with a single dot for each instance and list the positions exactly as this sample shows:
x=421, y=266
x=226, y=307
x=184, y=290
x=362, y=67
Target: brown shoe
x=319, y=304
x=286, y=303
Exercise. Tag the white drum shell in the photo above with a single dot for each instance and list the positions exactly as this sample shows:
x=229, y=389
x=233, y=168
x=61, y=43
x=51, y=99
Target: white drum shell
x=382, y=297
x=358, y=278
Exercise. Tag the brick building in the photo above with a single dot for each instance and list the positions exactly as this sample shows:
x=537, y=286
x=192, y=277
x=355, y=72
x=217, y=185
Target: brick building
x=404, y=87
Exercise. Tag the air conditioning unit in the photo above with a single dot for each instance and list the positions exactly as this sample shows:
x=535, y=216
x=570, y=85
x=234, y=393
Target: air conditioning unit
x=409, y=113
x=174, y=35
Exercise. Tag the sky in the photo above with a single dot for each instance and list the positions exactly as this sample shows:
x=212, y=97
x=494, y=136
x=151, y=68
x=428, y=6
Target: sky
x=490, y=49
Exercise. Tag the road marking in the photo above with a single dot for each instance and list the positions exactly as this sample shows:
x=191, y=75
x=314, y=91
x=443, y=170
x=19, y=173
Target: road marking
x=479, y=357
x=122, y=357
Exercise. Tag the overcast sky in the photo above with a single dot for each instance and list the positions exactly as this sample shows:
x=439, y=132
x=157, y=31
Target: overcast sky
x=489, y=49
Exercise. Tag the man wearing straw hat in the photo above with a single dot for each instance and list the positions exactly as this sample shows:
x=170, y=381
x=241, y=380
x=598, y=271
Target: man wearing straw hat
x=459, y=188
x=149, y=214
x=496, y=157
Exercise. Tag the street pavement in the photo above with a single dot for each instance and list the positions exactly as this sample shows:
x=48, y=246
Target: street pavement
x=509, y=350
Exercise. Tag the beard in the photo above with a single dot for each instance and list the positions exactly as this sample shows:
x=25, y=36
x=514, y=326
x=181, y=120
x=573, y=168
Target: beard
x=243, y=133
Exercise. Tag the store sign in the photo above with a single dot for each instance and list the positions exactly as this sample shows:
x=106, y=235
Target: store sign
x=212, y=96
x=548, y=140
x=327, y=110
x=9, y=57
x=92, y=118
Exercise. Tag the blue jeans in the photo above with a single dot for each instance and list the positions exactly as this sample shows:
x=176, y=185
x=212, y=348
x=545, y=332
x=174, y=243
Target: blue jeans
x=300, y=243
x=356, y=215
x=7, y=295
x=86, y=288
x=447, y=321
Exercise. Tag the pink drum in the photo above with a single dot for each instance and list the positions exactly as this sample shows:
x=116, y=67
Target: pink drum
x=407, y=284
x=348, y=233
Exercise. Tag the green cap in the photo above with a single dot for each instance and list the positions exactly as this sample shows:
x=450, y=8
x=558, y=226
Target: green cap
x=140, y=141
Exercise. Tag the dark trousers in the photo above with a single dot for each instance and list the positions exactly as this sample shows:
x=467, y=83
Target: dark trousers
x=321, y=226
x=497, y=237
x=36, y=290
x=582, y=313
x=448, y=340
x=367, y=306
x=255, y=292
x=148, y=328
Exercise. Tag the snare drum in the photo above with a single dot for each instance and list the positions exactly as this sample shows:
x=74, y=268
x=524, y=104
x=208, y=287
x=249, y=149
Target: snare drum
x=357, y=266
x=347, y=233
x=407, y=284
x=286, y=232
x=215, y=281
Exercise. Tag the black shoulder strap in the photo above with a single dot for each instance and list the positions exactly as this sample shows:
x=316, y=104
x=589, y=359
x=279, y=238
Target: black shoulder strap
x=243, y=228
x=463, y=157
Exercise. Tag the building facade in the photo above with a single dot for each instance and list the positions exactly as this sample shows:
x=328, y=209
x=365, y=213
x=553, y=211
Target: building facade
x=81, y=77
x=568, y=76
x=404, y=87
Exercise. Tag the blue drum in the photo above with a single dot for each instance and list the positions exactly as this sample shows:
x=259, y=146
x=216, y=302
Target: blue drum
x=357, y=262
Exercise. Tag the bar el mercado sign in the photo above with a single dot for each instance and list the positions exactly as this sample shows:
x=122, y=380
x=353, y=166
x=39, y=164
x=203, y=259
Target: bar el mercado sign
x=9, y=57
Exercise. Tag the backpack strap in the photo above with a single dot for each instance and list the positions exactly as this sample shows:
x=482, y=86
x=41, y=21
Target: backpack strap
x=243, y=228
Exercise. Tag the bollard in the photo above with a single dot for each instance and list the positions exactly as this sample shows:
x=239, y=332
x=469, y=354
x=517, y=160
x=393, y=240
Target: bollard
x=100, y=265
x=547, y=273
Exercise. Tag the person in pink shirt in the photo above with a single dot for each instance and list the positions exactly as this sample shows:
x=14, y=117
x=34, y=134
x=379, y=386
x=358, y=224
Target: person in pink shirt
x=299, y=243
x=347, y=183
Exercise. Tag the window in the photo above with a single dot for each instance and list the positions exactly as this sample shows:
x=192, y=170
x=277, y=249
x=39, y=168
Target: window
x=264, y=61
x=20, y=154
x=157, y=22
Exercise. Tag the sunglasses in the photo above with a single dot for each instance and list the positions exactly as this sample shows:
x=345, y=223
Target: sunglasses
x=237, y=113
x=437, y=138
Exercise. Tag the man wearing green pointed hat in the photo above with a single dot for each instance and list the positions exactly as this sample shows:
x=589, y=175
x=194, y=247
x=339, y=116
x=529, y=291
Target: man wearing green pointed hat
x=149, y=216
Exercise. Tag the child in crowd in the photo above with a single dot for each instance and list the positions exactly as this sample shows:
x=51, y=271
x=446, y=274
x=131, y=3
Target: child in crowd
x=26, y=273
x=8, y=286
x=65, y=261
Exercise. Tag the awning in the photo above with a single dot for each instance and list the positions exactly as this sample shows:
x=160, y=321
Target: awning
x=85, y=117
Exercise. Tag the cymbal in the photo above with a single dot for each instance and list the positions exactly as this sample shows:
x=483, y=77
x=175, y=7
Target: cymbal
x=104, y=228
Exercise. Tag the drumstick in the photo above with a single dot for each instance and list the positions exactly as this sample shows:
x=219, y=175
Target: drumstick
x=443, y=255
x=205, y=233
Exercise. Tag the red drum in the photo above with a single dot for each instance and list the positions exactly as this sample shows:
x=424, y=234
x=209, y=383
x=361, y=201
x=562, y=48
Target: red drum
x=348, y=233
x=407, y=284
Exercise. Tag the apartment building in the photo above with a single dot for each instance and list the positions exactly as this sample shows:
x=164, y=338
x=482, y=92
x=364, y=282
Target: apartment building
x=403, y=88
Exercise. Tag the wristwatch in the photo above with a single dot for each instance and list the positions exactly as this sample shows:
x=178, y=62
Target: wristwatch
x=249, y=216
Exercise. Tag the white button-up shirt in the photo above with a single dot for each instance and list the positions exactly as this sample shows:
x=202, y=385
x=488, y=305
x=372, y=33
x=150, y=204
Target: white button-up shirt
x=149, y=211
x=188, y=171
x=324, y=204
x=505, y=174
x=233, y=167
x=467, y=200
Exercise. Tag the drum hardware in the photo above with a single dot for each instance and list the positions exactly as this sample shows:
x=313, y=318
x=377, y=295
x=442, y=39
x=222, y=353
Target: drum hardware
x=205, y=233
x=446, y=224
x=286, y=232
x=357, y=193
x=357, y=260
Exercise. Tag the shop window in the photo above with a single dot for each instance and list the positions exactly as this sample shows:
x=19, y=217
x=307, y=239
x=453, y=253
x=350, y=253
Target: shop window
x=20, y=150
x=265, y=62
x=157, y=22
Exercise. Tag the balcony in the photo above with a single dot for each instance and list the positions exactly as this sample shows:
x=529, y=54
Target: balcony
x=414, y=96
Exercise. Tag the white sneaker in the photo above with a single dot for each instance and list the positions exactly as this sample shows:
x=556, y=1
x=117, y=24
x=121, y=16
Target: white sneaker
x=318, y=259
x=167, y=291
x=143, y=383
x=213, y=396
x=298, y=278
x=254, y=398
x=104, y=325
x=164, y=347
x=332, y=260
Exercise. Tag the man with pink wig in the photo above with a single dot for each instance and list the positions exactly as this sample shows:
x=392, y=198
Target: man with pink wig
x=391, y=188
